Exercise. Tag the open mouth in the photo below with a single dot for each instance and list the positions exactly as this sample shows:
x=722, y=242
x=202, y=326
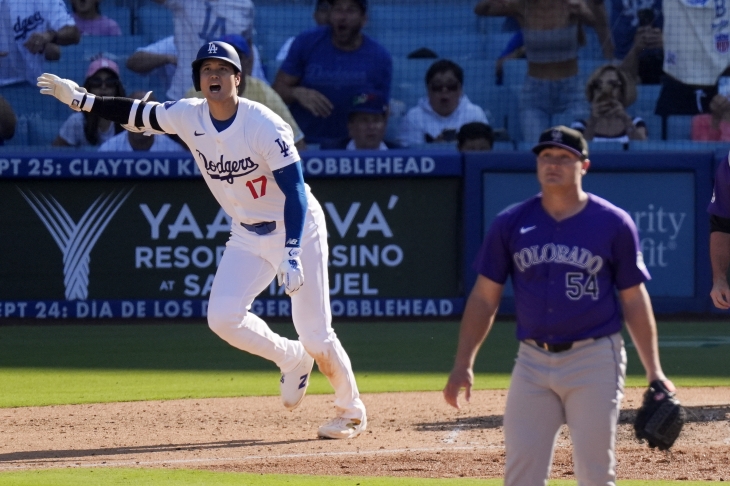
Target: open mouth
x=214, y=88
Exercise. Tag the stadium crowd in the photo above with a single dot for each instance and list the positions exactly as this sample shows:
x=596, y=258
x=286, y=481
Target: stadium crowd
x=384, y=74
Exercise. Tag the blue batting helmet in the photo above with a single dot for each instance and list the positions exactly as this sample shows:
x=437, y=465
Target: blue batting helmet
x=214, y=50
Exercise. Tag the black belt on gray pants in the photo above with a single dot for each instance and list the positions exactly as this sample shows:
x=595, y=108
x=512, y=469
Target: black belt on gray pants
x=261, y=228
x=555, y=348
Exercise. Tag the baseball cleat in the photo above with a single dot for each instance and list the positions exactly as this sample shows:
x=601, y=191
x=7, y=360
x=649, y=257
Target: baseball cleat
x=342, y=428
x=293, y=385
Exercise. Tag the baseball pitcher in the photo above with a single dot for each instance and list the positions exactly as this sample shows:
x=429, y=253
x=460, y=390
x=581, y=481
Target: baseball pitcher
x=567, y=252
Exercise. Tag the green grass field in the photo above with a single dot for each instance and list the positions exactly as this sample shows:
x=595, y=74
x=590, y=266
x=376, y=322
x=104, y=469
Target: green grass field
x=55, y=364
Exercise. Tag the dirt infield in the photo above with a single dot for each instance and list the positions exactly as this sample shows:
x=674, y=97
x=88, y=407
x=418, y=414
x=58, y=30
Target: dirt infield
x=409, y=434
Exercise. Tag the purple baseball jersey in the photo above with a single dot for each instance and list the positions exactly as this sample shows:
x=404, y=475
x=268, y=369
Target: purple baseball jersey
x=564, y=273
x=720, y=203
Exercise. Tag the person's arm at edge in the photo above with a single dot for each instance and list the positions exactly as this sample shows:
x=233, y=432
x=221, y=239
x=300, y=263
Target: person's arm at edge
x=476, y=322
x=641, y=325
x=720, y=261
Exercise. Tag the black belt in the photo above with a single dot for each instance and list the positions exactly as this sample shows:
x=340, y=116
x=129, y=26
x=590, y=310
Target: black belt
x=558, y=348
x=261, y=228
x=553, y=348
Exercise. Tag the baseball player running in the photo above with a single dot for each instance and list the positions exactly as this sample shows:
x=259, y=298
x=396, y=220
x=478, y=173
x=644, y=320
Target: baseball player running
x=567, y=252
x=719, y=210
x=247, y=157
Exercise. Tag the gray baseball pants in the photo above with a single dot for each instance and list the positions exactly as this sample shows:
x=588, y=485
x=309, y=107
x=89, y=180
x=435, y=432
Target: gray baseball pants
x=583, y=388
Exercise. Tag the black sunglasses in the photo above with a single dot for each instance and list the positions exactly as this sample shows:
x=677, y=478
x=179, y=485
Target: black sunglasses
x=612, y=83
x=438, y=88
x=98, y=83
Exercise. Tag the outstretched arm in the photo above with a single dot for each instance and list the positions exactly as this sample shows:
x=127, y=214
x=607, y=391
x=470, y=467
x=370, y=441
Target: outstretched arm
x=475, y=325
x=134, y=115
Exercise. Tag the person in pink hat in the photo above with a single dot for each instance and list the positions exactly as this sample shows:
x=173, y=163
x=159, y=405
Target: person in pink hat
x=87, y=129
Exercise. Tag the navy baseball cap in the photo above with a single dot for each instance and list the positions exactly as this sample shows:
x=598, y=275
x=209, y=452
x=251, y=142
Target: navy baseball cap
x=369, y=103
x=565, y=138
x=238, y=42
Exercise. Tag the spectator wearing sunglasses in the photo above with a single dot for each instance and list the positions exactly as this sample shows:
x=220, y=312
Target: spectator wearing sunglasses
x=87, y=129
x=438, y=116
x=610, y=91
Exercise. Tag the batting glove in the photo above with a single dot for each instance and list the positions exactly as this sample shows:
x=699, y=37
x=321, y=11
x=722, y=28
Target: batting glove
x=290, y=273
x=66, y=91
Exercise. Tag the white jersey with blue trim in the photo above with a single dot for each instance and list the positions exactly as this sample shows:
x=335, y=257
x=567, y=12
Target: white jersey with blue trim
x=237, y=163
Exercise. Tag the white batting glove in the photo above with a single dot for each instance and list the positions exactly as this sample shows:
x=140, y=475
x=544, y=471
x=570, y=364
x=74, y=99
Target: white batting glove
x=290, y=273
x=65, y=90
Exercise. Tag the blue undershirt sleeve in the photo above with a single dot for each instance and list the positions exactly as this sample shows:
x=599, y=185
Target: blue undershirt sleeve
x=291, y=182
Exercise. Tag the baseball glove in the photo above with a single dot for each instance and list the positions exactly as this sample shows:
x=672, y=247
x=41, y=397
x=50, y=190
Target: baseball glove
x=660, y=418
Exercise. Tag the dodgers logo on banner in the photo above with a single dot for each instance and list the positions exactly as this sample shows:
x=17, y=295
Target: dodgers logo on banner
x=722, y=42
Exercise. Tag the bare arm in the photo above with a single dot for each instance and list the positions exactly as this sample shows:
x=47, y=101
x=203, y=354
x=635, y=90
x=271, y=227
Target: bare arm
x=67, y=35
x=8, y=120
x=720, y=260
x=581, y=10
x=144, y=62
x=496, y=8
x=601, y=25
x=481, y=307
x=288, y=88
x=641, y=325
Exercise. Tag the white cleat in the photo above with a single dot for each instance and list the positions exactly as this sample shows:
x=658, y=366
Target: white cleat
x=342, y=428
x=293, y=385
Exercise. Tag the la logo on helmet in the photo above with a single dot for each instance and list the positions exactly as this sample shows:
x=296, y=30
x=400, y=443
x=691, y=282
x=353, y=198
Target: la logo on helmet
x=212, y=48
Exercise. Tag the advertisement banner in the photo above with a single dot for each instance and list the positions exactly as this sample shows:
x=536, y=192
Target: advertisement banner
x=150, y=248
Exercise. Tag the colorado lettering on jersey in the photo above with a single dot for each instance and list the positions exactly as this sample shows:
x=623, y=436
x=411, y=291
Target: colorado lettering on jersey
x=228, y=170
x=27, y=25
x=550, y=252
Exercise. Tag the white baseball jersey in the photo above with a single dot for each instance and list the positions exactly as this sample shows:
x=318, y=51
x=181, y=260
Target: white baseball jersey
x=197, y=22
x=19, y=19
x=696, y=40
x=237, y=163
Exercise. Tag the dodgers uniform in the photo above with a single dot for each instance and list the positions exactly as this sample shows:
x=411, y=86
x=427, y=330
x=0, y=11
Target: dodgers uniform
x=238, y=164
x=571, y=362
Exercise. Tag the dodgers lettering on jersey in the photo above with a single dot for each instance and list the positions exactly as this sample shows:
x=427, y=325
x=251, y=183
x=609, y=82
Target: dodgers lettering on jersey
x=564, y=273
x=237, y=163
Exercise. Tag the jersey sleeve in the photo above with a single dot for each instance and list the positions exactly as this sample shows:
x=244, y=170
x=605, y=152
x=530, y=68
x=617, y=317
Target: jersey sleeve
x=58, y=15
x=170, y=116
x=274, y=141
x=720, y=202
x=628, y=265
x=494, y=260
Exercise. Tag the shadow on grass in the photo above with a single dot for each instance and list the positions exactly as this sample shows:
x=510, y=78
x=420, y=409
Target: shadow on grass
x=699, y=414
x=116, y=451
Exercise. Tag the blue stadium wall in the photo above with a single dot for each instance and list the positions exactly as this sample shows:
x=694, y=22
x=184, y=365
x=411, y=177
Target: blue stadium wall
x=139, y=236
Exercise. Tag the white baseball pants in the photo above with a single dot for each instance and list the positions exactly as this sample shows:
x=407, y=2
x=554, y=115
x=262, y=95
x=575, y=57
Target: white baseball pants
x=247, y=267
x=582, y=388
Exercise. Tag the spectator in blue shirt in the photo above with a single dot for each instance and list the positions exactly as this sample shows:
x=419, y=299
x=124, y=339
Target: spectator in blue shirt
x=327, y=67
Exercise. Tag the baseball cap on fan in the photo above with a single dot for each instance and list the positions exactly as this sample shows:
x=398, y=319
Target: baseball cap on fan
x=238, y=42
x=101, y=63
x=565, y=138
x=369, y=103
